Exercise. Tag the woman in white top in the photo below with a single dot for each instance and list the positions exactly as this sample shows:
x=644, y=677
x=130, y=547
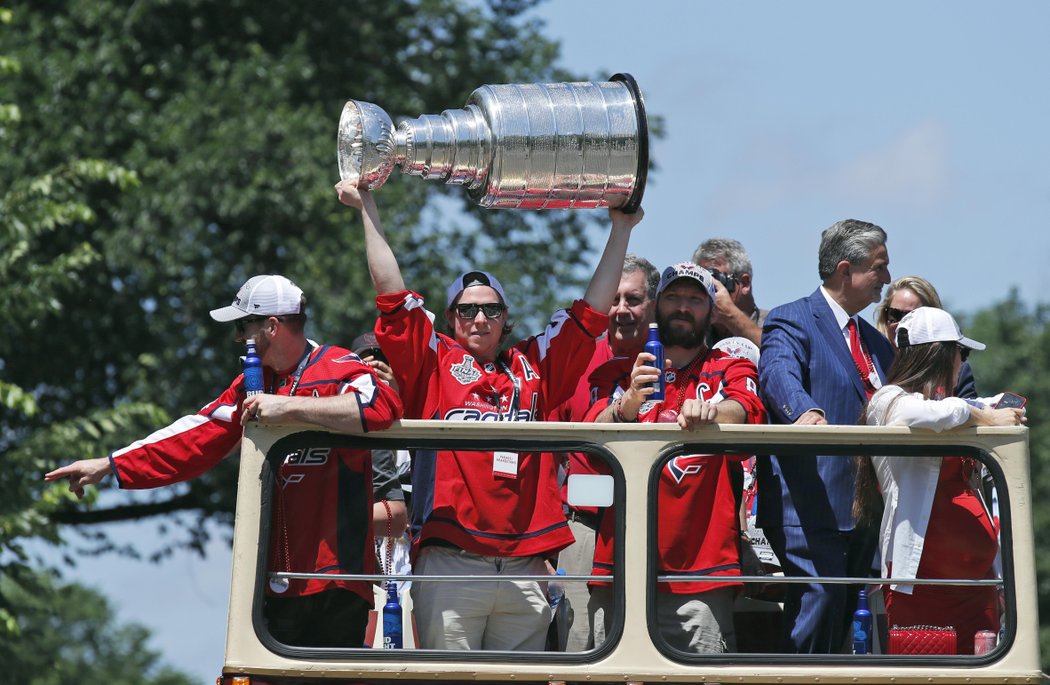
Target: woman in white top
x=935, y=523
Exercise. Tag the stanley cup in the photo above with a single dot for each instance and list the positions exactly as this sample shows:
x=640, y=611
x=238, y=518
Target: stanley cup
x=524, y=146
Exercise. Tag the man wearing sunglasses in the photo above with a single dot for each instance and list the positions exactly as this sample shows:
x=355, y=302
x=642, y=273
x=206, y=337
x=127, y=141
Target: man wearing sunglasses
x=483, y=513
x=323, y=503
x=735, y=313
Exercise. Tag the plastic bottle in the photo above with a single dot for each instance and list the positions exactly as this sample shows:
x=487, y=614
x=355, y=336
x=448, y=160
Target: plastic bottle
x=392, y=635
x=556, y=590
x=862, y=625
x=253, y=373
x=654, y=347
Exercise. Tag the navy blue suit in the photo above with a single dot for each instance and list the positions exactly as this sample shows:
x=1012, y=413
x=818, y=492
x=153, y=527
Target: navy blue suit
x=805, y=503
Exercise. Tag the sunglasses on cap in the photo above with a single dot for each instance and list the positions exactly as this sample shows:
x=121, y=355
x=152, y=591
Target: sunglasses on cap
x=894, y=315
x=491, y=310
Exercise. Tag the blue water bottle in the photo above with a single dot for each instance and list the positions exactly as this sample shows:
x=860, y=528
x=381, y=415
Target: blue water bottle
x=253, y=373
x=392, y=618
x=556, y=591
x=656, y=348
x=862, y=625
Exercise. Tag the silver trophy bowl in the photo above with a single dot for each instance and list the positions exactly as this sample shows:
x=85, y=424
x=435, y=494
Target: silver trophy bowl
x=521, y=146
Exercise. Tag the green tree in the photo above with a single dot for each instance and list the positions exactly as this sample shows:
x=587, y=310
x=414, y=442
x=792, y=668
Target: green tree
x=226, y=111
x=70, y=637
x=36, y=618
x=1018, y=359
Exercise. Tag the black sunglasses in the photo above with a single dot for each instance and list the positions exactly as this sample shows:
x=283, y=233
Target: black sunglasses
x=242, y=324
x=894, y=315
x=492, y=310
x=964, y=352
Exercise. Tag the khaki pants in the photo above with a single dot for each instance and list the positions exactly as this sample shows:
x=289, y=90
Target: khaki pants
x=577, y=559
x=479, y=615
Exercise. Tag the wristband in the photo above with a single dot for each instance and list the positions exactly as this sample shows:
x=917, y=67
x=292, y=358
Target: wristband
x=618, y=416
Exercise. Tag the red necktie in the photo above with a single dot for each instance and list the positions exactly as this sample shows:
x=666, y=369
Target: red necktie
x=860, y=357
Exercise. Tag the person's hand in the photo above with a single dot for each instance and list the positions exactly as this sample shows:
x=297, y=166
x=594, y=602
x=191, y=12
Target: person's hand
x=622, y=220
x=697, y=413
x=263, y=408
x=81, y=473
x=644, y=374
x=1007, y=417
x=382, y=369
x=349, y=194
x=811, y=418
x=724, y=304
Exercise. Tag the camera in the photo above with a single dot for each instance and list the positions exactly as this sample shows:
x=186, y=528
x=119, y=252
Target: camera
x=728, y=280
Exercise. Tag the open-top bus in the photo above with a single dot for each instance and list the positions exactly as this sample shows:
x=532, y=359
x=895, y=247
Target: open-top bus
x=634, y=650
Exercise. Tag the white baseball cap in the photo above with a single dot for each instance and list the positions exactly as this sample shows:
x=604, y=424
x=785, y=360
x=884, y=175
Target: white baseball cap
x=687, y=270
x=263, y=295
x=736, y=346
x=929, y=324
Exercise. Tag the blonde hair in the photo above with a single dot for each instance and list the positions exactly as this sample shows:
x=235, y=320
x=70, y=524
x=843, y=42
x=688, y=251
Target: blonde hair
x=923, y=290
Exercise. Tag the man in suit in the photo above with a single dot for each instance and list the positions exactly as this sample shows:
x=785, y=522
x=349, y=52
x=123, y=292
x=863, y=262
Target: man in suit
x=820, y=363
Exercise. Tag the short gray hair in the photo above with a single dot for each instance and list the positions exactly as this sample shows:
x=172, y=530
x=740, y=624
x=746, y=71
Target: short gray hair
x=850, y=240
x=724, y=249
x=632, y=263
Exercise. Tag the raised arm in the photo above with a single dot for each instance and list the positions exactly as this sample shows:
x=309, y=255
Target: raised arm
x=382, y=264
x=602, y=289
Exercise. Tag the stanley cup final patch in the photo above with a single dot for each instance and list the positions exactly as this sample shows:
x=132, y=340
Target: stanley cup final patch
x=465, y=372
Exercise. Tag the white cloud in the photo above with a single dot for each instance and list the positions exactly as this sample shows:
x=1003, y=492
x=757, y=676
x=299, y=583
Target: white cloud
x=910, y=172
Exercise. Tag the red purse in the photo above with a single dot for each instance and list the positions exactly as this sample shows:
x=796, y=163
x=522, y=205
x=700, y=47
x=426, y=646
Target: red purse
x=922, y=640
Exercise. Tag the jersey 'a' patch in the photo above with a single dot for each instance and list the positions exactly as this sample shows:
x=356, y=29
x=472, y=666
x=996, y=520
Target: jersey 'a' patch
x=465, y=372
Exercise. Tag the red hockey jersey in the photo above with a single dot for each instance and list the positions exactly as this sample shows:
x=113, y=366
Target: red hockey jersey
x=697, y=506
x=322, y=507
x=493, y=504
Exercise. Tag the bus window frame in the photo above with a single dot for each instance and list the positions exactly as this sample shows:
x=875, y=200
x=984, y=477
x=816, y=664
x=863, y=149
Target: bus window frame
x=311, y=438
x=631, y=654
x=893, y=450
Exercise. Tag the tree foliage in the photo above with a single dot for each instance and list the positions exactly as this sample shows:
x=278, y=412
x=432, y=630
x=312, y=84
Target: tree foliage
x=39, y=268
x=70, y=636
x=222, y=114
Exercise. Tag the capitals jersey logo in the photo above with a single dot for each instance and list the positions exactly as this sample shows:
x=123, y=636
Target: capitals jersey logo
x=465, y=372
x=680, y=467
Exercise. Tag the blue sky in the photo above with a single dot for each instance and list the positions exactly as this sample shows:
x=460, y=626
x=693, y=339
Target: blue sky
x=927, y=118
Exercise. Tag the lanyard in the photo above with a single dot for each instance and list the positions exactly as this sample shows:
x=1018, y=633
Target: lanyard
x=298, y=371
x=515, y=397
